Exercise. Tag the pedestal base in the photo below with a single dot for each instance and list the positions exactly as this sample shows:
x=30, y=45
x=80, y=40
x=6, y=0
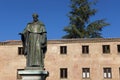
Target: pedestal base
x=33, y=74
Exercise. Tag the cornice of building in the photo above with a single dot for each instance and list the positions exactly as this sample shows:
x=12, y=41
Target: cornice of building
x=11, y=42
x=66, y=41
x=84, y=40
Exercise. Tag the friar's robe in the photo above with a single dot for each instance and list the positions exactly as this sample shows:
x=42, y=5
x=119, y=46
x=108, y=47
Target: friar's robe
x=35, y=44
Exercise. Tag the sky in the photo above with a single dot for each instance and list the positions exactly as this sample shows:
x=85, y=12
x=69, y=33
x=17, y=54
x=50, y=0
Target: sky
x=15, y=14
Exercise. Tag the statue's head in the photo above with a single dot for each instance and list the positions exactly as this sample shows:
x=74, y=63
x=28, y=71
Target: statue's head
x=35, y=17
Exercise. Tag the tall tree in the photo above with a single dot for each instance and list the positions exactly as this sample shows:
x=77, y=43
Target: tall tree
x=80, y=25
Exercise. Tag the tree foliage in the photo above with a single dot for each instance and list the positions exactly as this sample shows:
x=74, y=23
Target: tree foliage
x=80, y=25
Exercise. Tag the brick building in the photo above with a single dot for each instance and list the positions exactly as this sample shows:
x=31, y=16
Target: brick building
x=69, y=59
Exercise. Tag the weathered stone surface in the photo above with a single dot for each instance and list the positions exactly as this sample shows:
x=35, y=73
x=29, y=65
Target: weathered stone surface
x=74, y=60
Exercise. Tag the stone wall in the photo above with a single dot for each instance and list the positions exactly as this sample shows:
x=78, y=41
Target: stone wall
x=74, y=60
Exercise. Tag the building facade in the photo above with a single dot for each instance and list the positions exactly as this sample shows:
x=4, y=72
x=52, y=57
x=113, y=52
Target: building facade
x=67, y=59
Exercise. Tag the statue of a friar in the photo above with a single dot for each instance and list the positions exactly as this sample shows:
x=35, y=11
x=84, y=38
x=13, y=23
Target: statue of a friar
x=34, y=38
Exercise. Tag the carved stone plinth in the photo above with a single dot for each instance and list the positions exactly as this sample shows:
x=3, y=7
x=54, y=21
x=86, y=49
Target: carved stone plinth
x=33, y=74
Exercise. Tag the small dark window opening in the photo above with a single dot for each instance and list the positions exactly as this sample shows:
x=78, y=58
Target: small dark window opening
x=85, y=49
x=106, y=48
x=118, y=48
x=63, y=49
x=119, y=71
x=20, y=51
x=63, y=73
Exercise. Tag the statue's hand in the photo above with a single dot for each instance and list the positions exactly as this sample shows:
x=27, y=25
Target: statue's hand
x=25, y=53
x=20, y=33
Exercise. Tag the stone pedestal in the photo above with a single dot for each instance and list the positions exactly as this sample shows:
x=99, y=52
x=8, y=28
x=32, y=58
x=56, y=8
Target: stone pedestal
x=33, y=74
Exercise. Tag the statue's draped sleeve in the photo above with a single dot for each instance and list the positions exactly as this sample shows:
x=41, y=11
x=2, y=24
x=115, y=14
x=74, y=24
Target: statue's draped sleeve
x=24, y=38
x=44, y=40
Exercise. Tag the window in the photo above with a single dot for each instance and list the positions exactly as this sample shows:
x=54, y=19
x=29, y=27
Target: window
x=119, y=71
x=118, y=48
x=63, y=49
x=63, y=72
x=85, y=49
x=18, y=76
x=107, y=73
x=106, y=48
x=86, y=72
x=20, y=51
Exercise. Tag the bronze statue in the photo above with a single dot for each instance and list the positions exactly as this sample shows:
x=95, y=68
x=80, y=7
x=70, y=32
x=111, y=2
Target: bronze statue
x=34, y=38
